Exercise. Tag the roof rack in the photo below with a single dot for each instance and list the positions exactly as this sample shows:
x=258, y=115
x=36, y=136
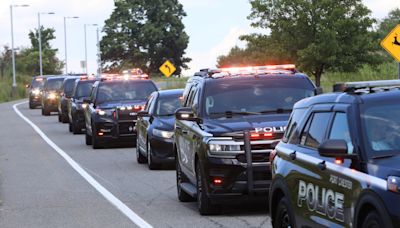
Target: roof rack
x=352, y=87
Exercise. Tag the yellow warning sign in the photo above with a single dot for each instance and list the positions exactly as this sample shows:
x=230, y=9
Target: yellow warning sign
x=391, y=43
x=167, y=68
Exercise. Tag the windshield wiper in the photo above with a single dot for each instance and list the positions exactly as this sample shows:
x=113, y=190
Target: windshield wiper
x=232, y=113
x=167, y=114
x=278, y=110
x=383, y=156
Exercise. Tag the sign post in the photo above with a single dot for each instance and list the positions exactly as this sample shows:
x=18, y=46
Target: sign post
x=391, y=43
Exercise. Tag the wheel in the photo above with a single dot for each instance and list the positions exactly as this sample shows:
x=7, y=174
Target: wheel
x=46, y=112
x=139, y=157
x=64, y=118
x=204, y=203
x=70, y=127
x=181, y=178
x=88, y=139
x=152, y=165
x=95, y=139
x=283, y=216
x=75, y=127
x=373, y=220
x=59, y=118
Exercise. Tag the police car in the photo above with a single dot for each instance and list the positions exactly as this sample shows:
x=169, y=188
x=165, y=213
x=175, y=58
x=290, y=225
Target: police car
x=229, y=123
x=338, y=162
x=110, y=112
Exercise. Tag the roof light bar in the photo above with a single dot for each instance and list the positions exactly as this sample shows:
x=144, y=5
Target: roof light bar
x=256, y=69
x=352, y=86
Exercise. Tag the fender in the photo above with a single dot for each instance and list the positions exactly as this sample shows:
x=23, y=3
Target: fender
x=370, y=197
x=278, y=183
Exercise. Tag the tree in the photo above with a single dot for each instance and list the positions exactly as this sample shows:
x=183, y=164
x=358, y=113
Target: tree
x=29, y=57
x=5, y=60
x=144, y=34
x=319, y=35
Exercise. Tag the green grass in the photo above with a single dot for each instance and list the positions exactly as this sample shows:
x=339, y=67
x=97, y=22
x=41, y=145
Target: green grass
x=384, y=71
x=6, y=88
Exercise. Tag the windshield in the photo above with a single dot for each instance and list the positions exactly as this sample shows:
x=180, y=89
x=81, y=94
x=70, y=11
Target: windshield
x=37, y=83
x=255, y=97
x=83, y=89
x=54, y=84
x=166, y=106
x=125, y=90
x=382, y=128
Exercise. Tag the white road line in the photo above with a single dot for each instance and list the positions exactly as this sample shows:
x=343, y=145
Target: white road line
x=108, y=195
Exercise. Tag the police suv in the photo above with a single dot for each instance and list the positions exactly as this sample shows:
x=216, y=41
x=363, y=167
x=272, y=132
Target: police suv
x=229, y=123
x=111, y=111
x=338, y=162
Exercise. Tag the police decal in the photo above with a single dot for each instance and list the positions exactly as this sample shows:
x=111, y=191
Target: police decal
x=321, y=200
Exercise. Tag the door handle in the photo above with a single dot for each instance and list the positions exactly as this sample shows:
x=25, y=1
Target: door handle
x=178, y=127
x=185, y=132
x=322, y=165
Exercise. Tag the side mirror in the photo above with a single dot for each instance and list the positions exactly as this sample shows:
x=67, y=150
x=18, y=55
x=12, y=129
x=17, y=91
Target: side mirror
x=185, y=114
x=336, y=148
x=319, y=91
x=143, y=114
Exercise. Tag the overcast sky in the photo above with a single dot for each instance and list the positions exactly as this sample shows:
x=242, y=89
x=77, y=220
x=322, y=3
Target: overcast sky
x=212, y=25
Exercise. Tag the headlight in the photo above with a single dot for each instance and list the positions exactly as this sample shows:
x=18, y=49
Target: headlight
x=84, y=105
x=393, y=183
x=163, y=134
x=107, y=112
x=222, y=148
x=51, y=96
x=35, y=92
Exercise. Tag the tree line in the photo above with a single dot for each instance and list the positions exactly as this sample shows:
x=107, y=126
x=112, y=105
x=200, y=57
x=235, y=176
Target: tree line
x=318, y=36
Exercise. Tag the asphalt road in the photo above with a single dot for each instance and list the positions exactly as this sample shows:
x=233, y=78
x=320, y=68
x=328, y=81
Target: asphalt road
x=39, y=188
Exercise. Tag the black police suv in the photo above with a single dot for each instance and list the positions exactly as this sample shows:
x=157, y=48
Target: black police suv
x=338, y=162
x=155, y=128
x=51, y=94
x=35, y=91
x=67, y=89
x=81, y=90
x=112, y=111
x=227, y=128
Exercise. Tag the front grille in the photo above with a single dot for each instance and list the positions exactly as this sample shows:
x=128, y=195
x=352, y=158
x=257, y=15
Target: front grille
x=262, y=157
x=127, y=128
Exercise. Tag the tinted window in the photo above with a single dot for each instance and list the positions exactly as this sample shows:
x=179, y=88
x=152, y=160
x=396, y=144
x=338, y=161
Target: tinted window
x=340, y=130
x=316, y=129
x=166, y=106
x=255, y=95
x=83, y=89
x=54, y=84
x=125, y=90
x=292, y=131
x=382, y=127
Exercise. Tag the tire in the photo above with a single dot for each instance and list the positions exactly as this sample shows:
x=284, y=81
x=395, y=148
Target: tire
x=181, y=178
x=75, y=128
x=204, y=203
x=373, y=220
x=283, y=216
x=70, y=127
x=139, y=157
x=88, y=139
x=59, y=117
x=95, y=139
x=150, y=161
x=42, y=112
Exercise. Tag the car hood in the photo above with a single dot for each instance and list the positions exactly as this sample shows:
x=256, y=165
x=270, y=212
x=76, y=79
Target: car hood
x=384, y=167
x=165, y=123
x=114, y=104
x=259, y=123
